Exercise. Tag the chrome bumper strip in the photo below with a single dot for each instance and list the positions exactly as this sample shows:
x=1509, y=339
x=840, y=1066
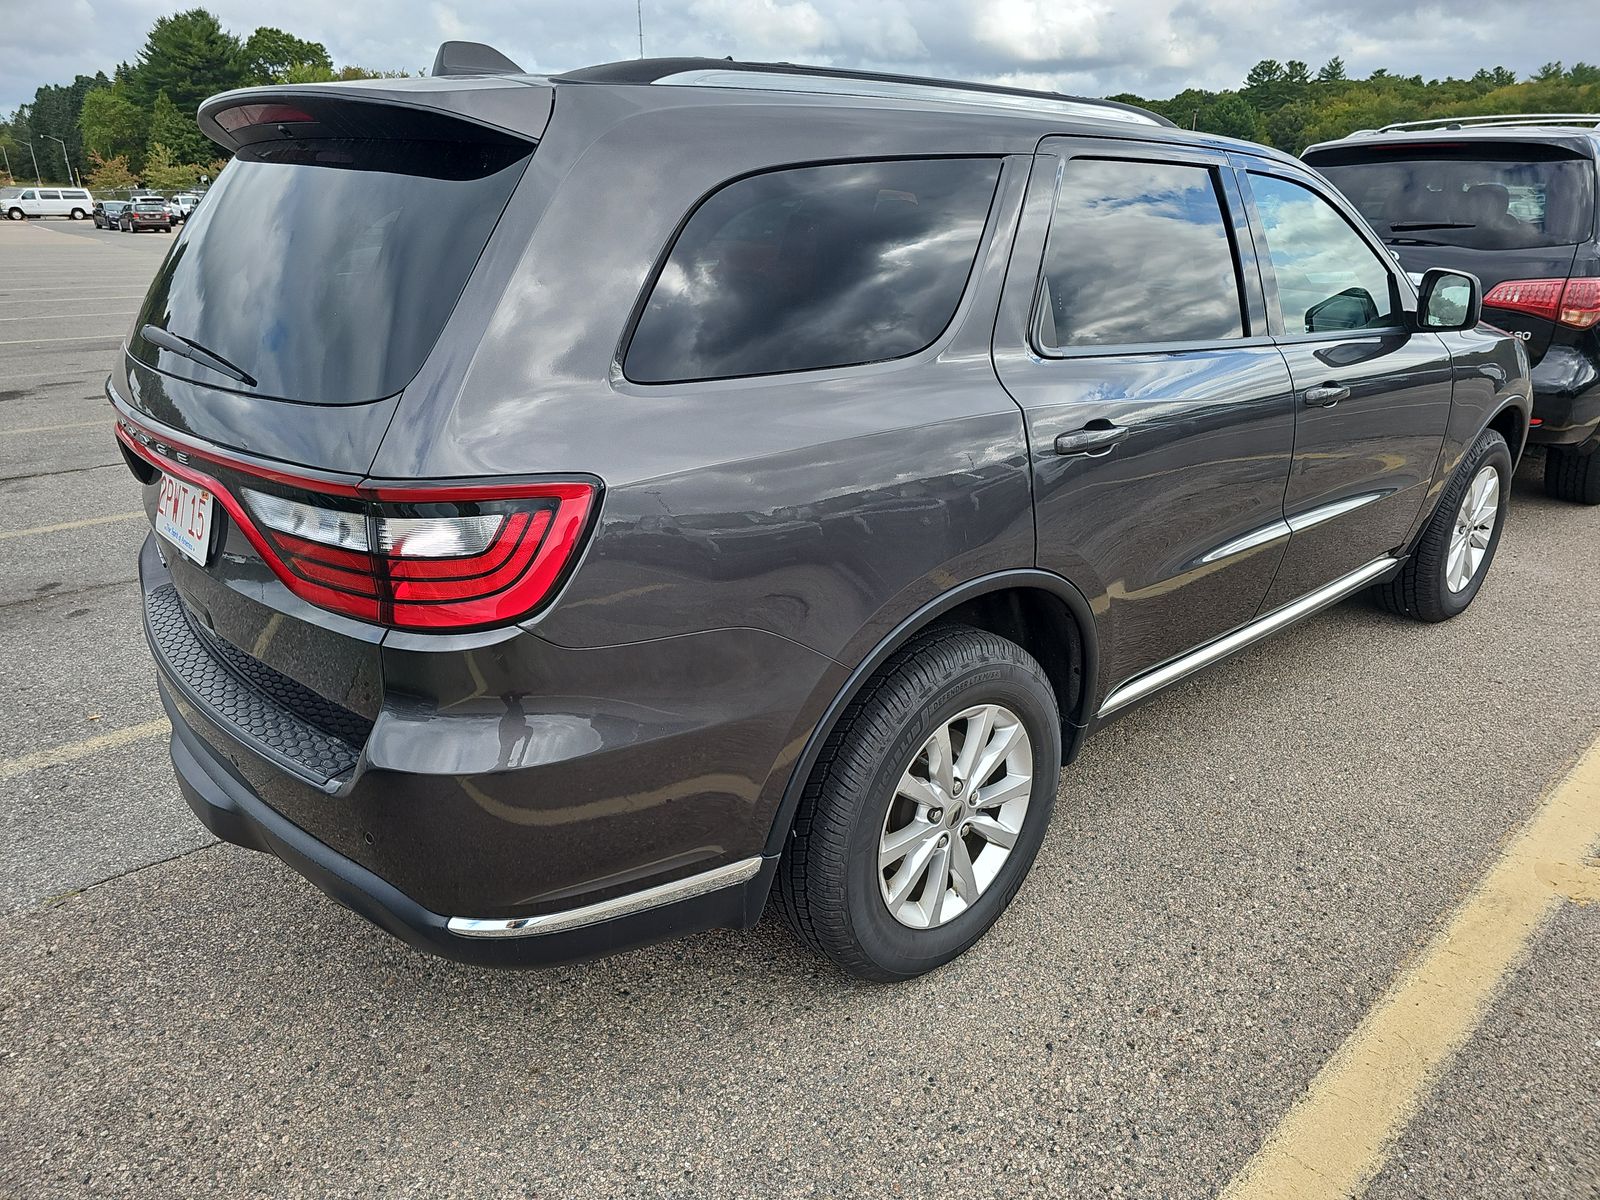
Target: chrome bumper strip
x=1153, y=681
x=608, y=910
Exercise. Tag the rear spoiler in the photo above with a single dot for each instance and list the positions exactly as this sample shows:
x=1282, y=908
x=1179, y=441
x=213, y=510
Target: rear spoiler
x=490, y=108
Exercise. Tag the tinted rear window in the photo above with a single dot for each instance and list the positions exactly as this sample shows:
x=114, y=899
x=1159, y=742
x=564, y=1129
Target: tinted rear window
x=826, y=266
x=1478, y=197
x=325, y=269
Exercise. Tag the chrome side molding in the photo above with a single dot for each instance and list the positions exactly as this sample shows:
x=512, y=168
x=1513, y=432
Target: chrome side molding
x=608, y=910
x=1141, y=686
x=1316, y=516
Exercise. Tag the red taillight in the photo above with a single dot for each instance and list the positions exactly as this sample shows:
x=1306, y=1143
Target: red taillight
x=1573, y=302
x=430, y=558
x=242, y=115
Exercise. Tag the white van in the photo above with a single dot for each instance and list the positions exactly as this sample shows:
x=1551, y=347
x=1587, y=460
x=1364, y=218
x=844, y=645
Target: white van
x=73, y=203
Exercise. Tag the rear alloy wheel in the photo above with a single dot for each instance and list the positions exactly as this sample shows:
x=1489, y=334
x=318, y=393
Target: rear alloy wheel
x=1572, y=475
x=926, y=808
x=1458, y=544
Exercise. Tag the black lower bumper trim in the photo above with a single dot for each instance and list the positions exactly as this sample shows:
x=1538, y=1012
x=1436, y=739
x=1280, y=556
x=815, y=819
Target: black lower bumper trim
x=232, y=812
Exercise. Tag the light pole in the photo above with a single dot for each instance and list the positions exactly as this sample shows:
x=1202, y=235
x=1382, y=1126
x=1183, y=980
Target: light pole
x=70, y=178
x=7, y=157
x=37, y=178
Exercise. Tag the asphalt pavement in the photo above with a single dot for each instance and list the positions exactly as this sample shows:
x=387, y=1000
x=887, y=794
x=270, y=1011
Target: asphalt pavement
x=1236, y=873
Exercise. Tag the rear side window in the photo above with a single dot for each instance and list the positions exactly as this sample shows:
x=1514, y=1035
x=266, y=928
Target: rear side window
x=324, y=269
x=826, y=266
x=1515, y=197
x=1329, y=280
x=1138, y=252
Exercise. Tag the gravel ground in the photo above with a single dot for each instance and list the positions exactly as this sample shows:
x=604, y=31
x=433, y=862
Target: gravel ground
x=1235, y=873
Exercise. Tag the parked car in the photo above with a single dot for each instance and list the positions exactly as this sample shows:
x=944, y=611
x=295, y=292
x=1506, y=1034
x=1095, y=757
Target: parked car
x=106, y=212
x=182, y=205
x=539, y=594
x=145, y=214
x=73, y=203
x=1511, y=199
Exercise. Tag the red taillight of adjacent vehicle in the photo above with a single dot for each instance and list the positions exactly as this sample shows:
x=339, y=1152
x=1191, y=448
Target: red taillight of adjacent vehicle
x=1571, y=302
x=442, y=558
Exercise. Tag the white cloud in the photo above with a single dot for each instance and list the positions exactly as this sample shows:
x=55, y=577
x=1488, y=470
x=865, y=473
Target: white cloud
x=1152, y=47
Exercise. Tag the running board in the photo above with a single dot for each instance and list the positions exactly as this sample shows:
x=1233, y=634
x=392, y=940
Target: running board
x=1246, y=635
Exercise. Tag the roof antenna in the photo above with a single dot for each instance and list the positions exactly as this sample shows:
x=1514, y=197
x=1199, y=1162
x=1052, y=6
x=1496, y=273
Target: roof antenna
x=639, y=9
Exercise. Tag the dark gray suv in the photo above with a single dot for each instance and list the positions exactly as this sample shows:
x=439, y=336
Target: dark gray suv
x=586, y=505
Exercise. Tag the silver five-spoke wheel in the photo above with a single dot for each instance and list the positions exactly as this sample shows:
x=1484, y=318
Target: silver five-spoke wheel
x=956, y=814
x=1474, y=529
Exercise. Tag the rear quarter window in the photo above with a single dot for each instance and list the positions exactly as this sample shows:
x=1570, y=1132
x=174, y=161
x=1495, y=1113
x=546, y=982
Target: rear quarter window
x=811, y=267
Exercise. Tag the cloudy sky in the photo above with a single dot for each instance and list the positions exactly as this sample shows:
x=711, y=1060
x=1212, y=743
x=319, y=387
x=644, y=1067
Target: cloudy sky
x=1094, y=47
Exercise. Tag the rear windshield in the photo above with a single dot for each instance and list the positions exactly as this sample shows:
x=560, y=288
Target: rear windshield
x=1480, y=198
x=323, y=270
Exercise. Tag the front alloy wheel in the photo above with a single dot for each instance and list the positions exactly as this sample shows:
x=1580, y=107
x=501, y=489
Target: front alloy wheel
x=1475, y=526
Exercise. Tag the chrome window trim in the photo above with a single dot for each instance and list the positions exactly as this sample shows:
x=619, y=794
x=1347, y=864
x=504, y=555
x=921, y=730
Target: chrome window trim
x=609, y=910
x=1212, y=652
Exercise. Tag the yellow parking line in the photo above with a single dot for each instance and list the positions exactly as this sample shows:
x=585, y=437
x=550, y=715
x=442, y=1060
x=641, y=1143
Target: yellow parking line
x=55, y=756
x=7, y=535
x=1337, y=1136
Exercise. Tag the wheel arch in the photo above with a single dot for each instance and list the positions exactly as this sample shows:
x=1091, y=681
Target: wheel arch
x=1036, y=609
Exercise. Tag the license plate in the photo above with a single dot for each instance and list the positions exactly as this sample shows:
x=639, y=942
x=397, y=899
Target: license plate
x=183, y=517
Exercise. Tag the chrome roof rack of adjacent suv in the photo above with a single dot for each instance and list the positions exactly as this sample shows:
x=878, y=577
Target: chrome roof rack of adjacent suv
x=1582, y=120
x=792, y=77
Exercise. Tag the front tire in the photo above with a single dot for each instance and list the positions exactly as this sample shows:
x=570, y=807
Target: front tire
x=1572, y=475
x=1457, y=546
x=16, y=214
x=926, y=808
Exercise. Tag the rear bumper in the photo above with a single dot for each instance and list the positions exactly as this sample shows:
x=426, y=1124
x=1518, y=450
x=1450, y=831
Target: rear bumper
x=227, y=807
x=1566, y=394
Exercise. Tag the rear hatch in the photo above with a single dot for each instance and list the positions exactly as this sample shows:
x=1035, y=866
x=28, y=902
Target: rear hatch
x=1506, y=210
x=274, y=344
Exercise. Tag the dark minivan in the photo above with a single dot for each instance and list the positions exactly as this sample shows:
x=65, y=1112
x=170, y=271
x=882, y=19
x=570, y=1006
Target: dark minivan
x=1513, y=200
x=585, y=505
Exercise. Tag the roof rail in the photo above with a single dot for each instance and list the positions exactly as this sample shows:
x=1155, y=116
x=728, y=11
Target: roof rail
x=1583, y=120
x=791, y=77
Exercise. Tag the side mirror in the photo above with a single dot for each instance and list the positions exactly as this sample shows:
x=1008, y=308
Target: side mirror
x=1448, y=300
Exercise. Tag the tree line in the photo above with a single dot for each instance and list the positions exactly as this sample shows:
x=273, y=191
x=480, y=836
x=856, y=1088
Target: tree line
x=137, y=126
x=1285, y=104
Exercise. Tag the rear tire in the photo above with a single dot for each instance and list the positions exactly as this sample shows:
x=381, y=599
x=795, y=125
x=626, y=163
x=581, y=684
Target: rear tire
x=78, y=214
x=892, y=776
x=1457, y=546
x=1572, y=475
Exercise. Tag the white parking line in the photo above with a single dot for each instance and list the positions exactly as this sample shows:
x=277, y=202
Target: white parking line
x=55, y=756
x=67, y=299
x=8, y=534
x=102, y=337
x=52, y=428
x=72, y=316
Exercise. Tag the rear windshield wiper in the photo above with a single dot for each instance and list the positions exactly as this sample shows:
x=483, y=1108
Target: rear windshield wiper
x=1402, y=225
x=194, y=352
x=1405, y=241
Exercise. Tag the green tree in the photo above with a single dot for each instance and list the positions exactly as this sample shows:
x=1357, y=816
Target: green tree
x=109, y=174
x=1583, y=73
x=189, y=56
x=1231, y=116
x=112, y=125
x=1332, y=71
x=163, y=173
x=1295, y=71
x=270, y=55
x=176, y=132
x=1549, y=73
x=1267, y=71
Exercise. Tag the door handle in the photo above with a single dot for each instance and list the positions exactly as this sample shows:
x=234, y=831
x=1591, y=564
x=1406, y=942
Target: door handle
x=1095, y=439
x=1326, y=396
